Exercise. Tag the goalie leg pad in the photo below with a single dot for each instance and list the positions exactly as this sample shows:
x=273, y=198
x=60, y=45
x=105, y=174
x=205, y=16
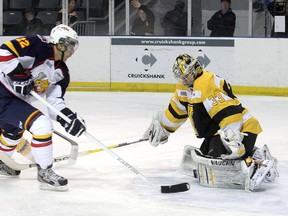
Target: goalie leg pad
x=212, y=172
x=229, y=173
x=188, y=166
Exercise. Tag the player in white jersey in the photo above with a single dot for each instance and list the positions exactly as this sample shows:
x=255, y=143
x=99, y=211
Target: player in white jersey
x=33, y=63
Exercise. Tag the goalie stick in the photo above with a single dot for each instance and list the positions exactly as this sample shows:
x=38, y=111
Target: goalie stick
x=164, y=189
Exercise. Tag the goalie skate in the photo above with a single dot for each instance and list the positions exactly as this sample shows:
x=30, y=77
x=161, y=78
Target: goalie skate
x=262, y=169
x=6, y=170
x=49, y=180
x=264, y=154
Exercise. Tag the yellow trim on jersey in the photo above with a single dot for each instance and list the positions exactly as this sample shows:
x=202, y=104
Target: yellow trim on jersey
x=27, y=122
x=252, y=125
x=45, y=136
x=231, y=119
x=172, y=119
x=10, y=45
x=176, y=108
x=245, y=111
x=171, y=122
x=5, y=143
x=173, y=129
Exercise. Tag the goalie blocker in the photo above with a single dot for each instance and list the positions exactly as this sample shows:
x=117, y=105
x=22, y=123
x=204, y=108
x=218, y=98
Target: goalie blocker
x=239, y=174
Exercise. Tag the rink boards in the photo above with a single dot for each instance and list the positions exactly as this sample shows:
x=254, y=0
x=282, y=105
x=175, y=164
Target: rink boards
x=255, y=66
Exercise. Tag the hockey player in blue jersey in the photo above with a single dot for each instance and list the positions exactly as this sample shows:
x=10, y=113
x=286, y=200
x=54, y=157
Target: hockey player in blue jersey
x=33, y=63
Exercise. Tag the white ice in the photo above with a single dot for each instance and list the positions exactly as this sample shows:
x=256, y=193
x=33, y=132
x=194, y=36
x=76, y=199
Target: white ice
x=100, y=185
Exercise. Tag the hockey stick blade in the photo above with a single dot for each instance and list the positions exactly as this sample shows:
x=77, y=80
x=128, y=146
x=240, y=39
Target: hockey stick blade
x=175, y=188
x=74, y=148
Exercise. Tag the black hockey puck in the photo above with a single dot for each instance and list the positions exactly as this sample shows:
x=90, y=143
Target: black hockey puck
x=175, y=188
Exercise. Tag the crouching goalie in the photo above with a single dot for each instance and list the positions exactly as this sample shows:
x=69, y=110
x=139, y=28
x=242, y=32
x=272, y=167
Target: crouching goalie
x=228, y=156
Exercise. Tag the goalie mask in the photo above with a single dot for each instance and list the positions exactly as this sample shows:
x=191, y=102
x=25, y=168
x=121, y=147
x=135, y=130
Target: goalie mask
x=186, y=69
x=66, y=36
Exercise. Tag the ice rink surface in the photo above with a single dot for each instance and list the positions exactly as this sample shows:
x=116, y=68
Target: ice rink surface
x=101, y=186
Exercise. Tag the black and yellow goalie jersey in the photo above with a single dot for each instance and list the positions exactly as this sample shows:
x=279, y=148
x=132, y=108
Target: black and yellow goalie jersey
x=210, y=106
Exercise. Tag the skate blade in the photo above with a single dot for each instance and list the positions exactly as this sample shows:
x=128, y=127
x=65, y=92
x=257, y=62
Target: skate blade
x=45, y=186
x=7, y=174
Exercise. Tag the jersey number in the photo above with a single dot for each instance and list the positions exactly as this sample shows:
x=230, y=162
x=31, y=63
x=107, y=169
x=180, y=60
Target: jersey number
x=23, y=42
x=216, y=99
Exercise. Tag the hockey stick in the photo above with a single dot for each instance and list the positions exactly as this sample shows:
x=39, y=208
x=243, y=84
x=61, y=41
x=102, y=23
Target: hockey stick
x=71, y=157
x=164, y=189
x=87, y=152
x=18, y=166
x=74, y=151
x=24, y=149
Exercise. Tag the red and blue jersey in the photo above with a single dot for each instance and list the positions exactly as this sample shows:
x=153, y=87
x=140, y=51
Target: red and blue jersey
x=34, y=55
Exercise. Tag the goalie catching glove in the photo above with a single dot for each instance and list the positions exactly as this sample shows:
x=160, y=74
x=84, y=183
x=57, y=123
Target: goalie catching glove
x=156, y=134
x=76, y=127
x=232, y=140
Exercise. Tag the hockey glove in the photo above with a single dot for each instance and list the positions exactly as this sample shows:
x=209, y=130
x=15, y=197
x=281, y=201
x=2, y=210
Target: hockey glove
x=232, y=140
x=23, y=87
x=156, y=134
x=22, y=80
x=76, y=127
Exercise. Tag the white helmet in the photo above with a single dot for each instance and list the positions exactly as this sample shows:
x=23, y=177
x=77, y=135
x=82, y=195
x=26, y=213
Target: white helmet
x=66, y=35
x=186, y=69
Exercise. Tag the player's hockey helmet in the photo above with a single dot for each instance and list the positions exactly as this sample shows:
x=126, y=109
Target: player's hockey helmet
x=65, y=35
x=186, y=68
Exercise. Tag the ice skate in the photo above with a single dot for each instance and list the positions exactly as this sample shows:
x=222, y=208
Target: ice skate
x=262, y=155
x=49, y=180
x=6, y=170
x=273, y=173
x=260, y=173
